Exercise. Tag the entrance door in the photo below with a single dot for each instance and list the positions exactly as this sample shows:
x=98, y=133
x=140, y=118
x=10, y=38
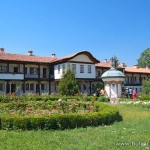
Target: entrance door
x=113, y=91
x=37, y=88
x=13, y=88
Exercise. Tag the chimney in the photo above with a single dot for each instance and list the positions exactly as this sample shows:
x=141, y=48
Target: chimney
x=105, y=60
x=135, y=66
x=53, y=55
x=30, y=52
x=1, y=49
x=123, y=65
x=147, y=67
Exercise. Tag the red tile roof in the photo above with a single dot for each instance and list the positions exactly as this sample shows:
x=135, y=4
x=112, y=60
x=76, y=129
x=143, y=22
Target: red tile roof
x=25, y=58
x=137, y=70
x=66, y=58
x=104, y=64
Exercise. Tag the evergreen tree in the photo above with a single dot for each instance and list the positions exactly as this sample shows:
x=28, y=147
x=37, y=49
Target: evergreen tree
x=68, y=84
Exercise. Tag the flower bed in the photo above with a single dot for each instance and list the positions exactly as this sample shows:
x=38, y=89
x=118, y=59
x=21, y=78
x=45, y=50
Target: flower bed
x=90, y=114
x=143, y=104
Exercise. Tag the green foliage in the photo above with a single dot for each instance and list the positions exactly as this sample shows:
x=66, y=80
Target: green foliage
x=146, y=86
x=104, y=114
x=103, y=99
x=143, y=97
x=98, y=85
x=115, y=62
x=144, y=60
x=68, y=84
x=132, y=133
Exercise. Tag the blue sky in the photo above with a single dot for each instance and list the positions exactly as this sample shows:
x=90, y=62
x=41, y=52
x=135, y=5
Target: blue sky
x=103, y=27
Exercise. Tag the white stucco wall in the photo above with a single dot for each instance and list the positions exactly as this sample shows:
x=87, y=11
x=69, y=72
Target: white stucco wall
x=77, y=61
x=107, y=90
x=113, y=91
x=82, y=58
x=78, y=74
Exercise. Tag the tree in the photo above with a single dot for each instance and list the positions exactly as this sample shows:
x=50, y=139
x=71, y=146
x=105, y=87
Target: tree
x=146, y=86
x=68, y=84
x=115, y=62
x=98, y=85
x=144, y=60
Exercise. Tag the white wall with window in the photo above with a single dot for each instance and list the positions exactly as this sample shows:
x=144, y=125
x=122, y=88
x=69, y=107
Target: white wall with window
x=81, y=70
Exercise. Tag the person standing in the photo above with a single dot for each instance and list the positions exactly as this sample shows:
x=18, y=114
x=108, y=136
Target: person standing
x=130, y=92
x=126, y=93
x=102, y=92
x=134, y=94
x=97, y=92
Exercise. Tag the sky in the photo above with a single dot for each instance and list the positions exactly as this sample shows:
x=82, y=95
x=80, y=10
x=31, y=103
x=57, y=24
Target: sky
x=105, y=28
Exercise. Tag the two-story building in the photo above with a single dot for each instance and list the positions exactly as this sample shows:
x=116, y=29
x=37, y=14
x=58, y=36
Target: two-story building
x=38, y=74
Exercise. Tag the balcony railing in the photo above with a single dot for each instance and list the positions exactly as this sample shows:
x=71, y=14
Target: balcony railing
x=11, y=76
x=36, y=76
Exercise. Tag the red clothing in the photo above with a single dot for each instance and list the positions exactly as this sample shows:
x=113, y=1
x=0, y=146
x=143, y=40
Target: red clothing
x=134, y=94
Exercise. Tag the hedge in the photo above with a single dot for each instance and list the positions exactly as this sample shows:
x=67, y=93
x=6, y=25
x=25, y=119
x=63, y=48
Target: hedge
x=104, y=114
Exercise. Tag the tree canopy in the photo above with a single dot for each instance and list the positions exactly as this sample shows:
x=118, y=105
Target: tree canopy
x=146, y=86
x=68, y=84
x=115, y=62
x=144, y=60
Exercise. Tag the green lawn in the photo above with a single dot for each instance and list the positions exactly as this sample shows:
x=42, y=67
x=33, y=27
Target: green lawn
x=132, y=133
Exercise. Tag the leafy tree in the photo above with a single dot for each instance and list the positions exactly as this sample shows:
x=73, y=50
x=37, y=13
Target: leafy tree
x=115, y=62
x=144, y=60
x=98, y=85
x=68, y=84
x=146, y=86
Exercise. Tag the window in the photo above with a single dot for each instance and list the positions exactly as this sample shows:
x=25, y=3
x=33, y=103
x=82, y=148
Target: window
x=36, y=70
x=58, y=69
x=1, y=69
x=5, y=68
x=81, y=68
x=32, y=87
x=135, y=79
x=31, y=70
x=63, y=66
x=99, y=73
x=25, y=70
x=89, y=68
x=73, y=67
x=16, y=69
x=42, y=87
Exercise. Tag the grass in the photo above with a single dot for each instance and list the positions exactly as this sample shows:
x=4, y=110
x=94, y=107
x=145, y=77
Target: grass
x=132, y=133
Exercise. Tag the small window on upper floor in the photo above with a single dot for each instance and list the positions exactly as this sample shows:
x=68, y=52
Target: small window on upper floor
x=31, y=70
x=5, y=68
x=89, y=68
x=58, y=69
x=16, y=69
x=64, y=68
x=74, y=67
x=25, y=70
x=81, y=68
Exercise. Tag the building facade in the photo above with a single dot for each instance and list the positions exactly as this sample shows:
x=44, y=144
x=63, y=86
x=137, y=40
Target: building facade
x=24, y=74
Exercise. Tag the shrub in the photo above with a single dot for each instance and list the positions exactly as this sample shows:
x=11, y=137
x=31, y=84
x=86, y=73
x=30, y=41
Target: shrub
x=103, y=99
x=104, y=114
